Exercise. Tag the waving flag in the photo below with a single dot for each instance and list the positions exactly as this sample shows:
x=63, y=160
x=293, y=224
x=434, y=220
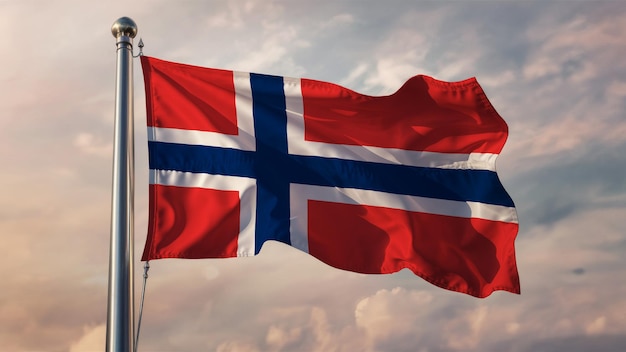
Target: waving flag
x=365, y=184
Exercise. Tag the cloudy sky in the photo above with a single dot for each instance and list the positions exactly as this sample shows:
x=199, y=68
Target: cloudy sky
x=556, y=72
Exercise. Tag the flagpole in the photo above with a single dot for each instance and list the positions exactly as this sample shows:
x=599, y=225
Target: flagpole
x=121, y=309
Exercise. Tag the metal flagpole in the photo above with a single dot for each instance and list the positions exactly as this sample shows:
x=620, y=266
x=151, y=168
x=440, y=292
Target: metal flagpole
x=121, y=307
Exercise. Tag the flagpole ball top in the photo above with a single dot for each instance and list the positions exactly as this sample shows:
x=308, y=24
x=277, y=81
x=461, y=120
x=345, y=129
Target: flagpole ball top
x=124, y=26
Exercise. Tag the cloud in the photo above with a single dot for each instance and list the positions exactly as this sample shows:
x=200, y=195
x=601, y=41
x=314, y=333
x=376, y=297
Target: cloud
x=391, y=314
x=464, y=333
x=88, y=143
x=499, y=79
x=92, y=340
x=277, y=338
x=596, y=326
x=236, y=346
x=356, y=73
x=600, y=343
x=556, y=189
x=338, y=20
x=573, y=49
x=305, y=329
x=232, y=17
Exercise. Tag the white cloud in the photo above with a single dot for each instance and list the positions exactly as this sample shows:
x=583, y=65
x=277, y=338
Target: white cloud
x=596, y=326
x=577, y=248
x=355, y=74
x=391, y=73
x=497, y=80
x=89, y=144
x=582, y=41
x=574, y=126
x=321, y=330
x=93, y=339
x=225, y=20
x=338, y=20
x=392, y=313
x=464, y=333
x=273, y=53
x=305, y=329
x=236, y=346
x=277, y=337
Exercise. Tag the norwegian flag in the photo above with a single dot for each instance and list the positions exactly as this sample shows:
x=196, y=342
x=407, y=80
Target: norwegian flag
x=365, y=184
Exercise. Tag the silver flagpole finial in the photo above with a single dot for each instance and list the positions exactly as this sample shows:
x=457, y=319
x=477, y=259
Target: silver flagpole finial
x=124, y=26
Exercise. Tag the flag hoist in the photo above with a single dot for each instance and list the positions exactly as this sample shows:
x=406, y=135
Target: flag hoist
x=120, y=311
